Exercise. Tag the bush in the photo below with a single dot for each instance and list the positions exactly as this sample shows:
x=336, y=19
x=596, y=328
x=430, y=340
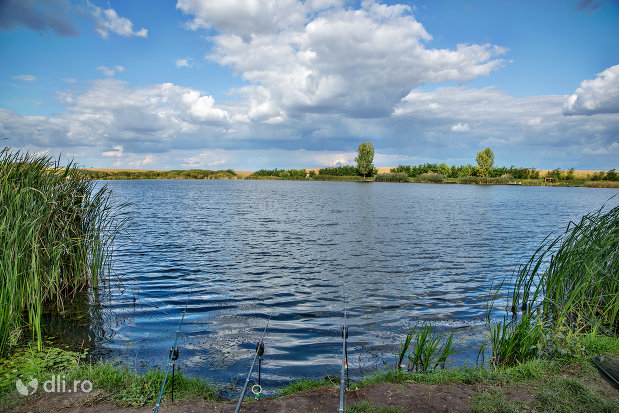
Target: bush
x=611, y=176
x=555, y=174
x=348, y=170
x=469, y=180
x=291, y=174
x=391, y=177
x=431, y=177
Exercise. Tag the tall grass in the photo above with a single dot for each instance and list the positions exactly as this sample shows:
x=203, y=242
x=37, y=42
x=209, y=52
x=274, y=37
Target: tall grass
x=56, y=230
x=391, y=177
x=430, y=350
x=565, y=294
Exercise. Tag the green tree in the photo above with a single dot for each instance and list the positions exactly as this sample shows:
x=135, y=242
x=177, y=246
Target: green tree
x=443, y=169
x=365, y=157
x=485, y=162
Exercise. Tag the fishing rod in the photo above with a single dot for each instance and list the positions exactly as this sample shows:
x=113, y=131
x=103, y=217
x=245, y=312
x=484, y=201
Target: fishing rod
x=344, y=383
x=258, y=354
x=173, y=356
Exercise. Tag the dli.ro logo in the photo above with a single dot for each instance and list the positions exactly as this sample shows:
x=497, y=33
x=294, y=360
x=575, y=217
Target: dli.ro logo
x=57, y=384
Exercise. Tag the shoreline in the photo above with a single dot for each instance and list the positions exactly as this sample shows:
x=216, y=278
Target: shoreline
x=465, y=389
x=581, y=178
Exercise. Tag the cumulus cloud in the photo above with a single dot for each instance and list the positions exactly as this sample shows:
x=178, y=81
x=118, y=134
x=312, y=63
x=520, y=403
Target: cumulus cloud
x=599, y=95
x=116, y=152
x=25, y=78
x=460, y=127
x=319, y=57
x=40, y=16
x=108, y=71
x=149, y=118
x=108, y=20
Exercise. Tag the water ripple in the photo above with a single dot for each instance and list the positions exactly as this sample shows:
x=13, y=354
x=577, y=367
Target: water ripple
x=298, y=252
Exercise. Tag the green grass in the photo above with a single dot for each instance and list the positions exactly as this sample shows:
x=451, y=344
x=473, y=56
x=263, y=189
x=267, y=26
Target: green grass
x=56, y=231
x=565, y=296
x=302, y=385
x=392, y=177
x=367, y=407
x=493, y=401
x=566, y=394
x=336, y=178
x=550, y=394
x=430, y=350
x=124, y=385
x=133, y=389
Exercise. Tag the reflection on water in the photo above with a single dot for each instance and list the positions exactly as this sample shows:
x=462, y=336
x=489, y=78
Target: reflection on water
x=393, y=254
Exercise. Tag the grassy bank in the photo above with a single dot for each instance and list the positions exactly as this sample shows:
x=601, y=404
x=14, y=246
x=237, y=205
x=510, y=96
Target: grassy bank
x=128, y=174
x=592, y=179
x=56, y=230
x=121, y=384
x=568, y=384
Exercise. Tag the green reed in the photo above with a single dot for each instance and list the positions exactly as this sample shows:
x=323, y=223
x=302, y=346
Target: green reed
x=566, y=292
x=430, y=350
x=56, y=232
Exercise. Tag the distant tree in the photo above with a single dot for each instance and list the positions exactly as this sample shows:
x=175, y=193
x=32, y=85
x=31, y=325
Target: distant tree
x=556, y=174
x=364, y=159
x=485, y=162
x=611, y=175
x=443, y=169
x=465, y=170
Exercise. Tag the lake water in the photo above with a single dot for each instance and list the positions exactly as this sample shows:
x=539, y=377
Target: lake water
x=301, y=252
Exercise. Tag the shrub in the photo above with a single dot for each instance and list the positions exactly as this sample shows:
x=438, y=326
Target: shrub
x=391, y=177
x=469, y=180
x=431, y=177
x=348, y=170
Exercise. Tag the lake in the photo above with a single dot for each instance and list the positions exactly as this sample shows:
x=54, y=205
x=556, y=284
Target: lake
x=303, y=252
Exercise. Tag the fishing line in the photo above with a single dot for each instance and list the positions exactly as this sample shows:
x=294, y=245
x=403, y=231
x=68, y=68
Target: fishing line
x=173, y=356
x=344, y=371
x=256, y=389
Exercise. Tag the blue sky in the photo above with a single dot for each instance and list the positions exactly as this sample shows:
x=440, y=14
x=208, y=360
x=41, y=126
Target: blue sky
x=248, y=84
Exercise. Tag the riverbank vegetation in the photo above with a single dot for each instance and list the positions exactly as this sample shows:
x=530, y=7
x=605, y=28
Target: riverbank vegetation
x=127, y=174
x=564, y=297
x=56, y=231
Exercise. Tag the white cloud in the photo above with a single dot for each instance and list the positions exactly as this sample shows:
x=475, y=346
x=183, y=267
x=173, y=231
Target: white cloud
x=25, y=78
x=460, y=127
x=184, y=62
x=108, y=20
x=156, y=115
x=599, y=95
x=109, y=72
x=117, y=152
x=334, y=60
x=202, y=108
x=244, y=17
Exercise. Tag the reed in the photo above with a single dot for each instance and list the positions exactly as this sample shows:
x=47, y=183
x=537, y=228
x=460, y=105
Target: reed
x=431, y=349
x=566, y=294
x=56, y=232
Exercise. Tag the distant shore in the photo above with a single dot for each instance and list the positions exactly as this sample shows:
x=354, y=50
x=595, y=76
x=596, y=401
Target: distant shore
x=577, y=177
